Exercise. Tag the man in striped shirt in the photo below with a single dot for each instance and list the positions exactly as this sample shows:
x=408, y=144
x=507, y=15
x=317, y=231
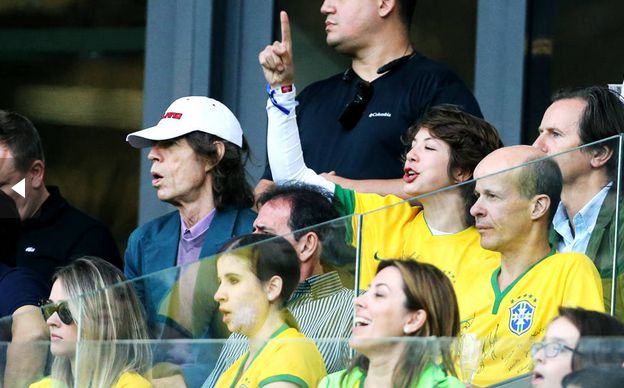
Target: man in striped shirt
x=322, y=306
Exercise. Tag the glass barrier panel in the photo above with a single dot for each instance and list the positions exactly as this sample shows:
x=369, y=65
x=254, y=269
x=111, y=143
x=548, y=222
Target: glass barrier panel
x=615, y=244
x=429, y=361
x=289, y=357
x=501, y=268
x=181, y=302
x=505, y=214
x=488, y=361
x=588, y=217
x=546, y=262
x=24, y=347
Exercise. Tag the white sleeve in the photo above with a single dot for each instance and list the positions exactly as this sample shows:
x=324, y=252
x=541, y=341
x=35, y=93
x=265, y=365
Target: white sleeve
x=284, y=145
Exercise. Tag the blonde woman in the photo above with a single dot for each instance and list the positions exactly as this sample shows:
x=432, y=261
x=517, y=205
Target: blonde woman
x=97, y=329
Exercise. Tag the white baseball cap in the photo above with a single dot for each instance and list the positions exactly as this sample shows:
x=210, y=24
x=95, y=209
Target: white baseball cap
x=189, y=114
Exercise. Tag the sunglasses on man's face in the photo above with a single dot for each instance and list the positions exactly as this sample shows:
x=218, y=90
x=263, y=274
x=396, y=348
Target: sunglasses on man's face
x=354, y=110
x=48, y=308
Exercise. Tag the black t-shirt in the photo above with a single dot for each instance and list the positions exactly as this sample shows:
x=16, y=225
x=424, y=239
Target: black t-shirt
x=373, y=149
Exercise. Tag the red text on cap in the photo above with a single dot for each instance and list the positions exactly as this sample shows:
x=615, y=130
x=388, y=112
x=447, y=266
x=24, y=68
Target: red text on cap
x=172, y=115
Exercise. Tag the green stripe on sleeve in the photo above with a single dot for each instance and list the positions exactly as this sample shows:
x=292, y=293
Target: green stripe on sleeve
x=289, y=378
x=344, y=201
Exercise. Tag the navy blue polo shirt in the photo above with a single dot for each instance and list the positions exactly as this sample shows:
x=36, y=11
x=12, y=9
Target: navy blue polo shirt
x=20, y=287
x=373, y=149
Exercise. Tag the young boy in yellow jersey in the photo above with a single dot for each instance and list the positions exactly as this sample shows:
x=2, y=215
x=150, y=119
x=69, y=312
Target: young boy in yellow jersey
x=402, y=230
x=446, y=145
x=510, y=307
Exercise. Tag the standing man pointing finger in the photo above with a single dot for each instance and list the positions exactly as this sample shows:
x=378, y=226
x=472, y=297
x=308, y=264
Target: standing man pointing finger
x=352, y=122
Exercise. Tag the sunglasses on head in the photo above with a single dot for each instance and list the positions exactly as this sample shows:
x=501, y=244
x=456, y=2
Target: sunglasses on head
x=354, y=110
x=48, y=308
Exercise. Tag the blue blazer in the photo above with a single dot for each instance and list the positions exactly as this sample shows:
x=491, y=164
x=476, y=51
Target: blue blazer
x=153, y=249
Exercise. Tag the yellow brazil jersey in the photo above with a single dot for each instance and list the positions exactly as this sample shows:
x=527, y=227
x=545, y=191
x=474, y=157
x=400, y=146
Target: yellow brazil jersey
x=126, y=380
x=508, y=321
x=398, y=229
x=288, y=356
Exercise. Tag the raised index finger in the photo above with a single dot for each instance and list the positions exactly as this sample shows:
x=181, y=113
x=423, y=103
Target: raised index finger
x=285, y=28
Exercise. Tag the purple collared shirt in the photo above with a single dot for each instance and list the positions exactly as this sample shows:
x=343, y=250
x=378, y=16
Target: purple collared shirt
x=192, y=239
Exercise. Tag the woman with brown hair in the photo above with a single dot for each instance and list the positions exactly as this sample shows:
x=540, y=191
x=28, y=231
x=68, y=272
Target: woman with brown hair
x=257, y=275
x=405, y=299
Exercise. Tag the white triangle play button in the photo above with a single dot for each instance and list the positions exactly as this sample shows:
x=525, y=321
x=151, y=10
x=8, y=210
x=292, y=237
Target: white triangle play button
x=20, y=188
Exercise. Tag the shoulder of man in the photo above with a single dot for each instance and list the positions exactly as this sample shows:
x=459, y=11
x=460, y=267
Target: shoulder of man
x=435, y=83
x=156, y=225
x=243, y=219
x=313, y=89
x=57, y=209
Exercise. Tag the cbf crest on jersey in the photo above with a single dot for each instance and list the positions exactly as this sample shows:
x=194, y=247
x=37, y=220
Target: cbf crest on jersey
x=521, y=317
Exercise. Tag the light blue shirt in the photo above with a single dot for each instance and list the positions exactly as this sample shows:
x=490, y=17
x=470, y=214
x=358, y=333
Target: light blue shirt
x=584, y=223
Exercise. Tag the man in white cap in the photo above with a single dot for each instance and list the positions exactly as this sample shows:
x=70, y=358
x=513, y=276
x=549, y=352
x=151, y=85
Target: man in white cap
x=198, y=154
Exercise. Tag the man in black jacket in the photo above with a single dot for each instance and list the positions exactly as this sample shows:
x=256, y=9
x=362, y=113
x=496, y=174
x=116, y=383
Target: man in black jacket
x=52, y=232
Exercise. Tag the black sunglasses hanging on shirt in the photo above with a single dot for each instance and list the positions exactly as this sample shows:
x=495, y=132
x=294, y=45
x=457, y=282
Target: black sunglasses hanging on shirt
x=354, y=110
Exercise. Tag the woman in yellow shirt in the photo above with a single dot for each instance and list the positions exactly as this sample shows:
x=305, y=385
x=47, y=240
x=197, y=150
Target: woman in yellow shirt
x=87, y=313
x=257, y=275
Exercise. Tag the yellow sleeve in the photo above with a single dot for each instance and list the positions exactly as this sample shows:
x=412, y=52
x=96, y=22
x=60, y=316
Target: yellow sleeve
x=365, y=202
x=46, y=382
x=583, y=286
x=132, y=380
x=284, y=367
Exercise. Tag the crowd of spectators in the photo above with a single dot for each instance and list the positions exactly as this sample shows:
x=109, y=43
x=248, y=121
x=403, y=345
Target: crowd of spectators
x=514, y=250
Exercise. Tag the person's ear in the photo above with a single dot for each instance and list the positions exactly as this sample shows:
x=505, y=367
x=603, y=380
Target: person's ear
x=600, y=156
x=220, y=148
x=540, y=206
x=273, y=288
x=459, y=175
x=386, y=6
x=36, y=174
x=415, y=321
x=307, y=246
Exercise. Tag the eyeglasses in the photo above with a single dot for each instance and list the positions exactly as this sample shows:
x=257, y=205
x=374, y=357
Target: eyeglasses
x=48, y=308
x=354, y=110
x=551, y=349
